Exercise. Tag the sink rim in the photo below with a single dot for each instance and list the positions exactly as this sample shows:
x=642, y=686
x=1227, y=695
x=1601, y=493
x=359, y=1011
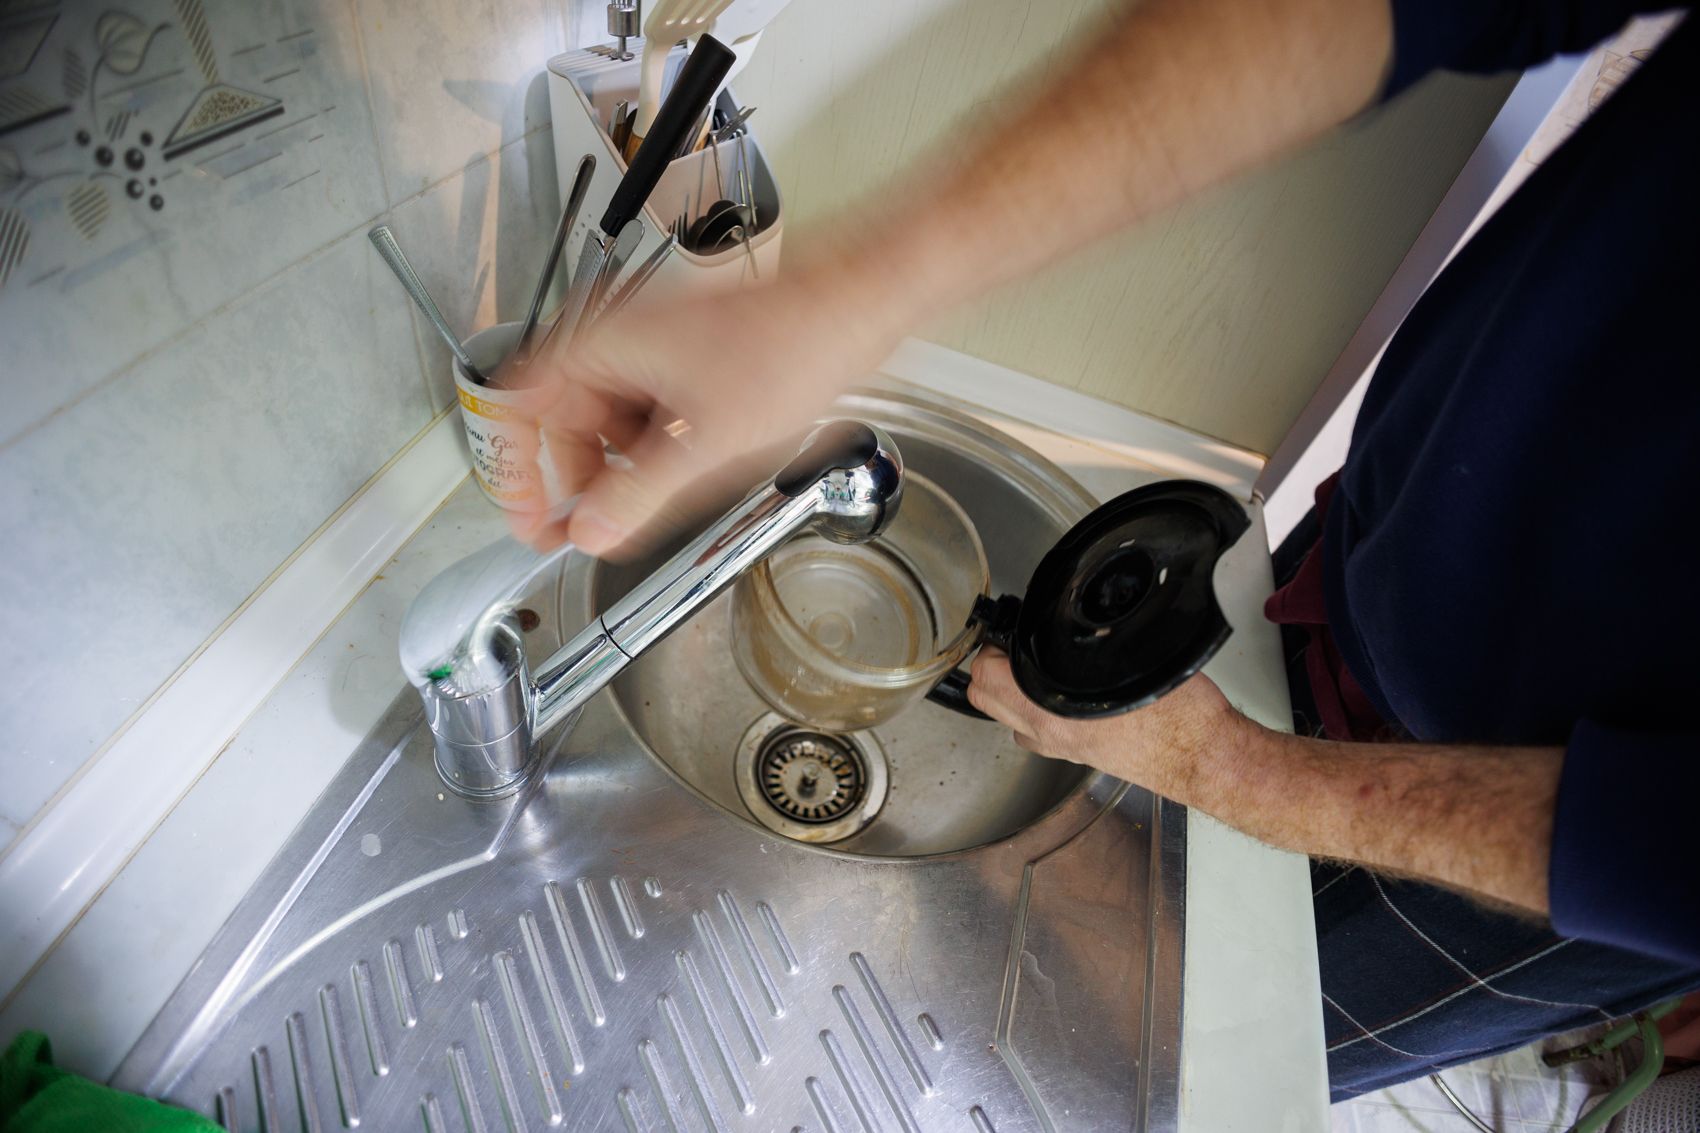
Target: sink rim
x=578, y=576
x=1104, y=789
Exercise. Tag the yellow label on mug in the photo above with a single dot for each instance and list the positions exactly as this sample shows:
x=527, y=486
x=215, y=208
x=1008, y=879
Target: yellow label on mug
x=490, y=409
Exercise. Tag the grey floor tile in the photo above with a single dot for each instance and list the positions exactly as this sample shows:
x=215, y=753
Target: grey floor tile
x=1514, y=1092
x=1419, y=1095
x=1546, y=1103
x=1495, y=1105
x=1374, y=1118
x=1343, y=1117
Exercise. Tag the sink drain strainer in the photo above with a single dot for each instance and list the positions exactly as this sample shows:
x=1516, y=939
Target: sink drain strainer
x=808, y=785
x=810, y=776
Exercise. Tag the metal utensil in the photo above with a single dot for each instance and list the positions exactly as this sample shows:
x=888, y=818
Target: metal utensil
x=714, y=152
x=621, y=135
x=698, y=79
x=624, y=245
x=384, y=240
x=696, y=138
x=731, y=127
x=641, y=275
x=717, y=225
x=745, y=179
x=569, y=214
x=630, y=237
x=742, y=233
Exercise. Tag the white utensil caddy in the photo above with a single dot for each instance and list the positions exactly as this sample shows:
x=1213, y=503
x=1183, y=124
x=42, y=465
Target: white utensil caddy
x=584, y=86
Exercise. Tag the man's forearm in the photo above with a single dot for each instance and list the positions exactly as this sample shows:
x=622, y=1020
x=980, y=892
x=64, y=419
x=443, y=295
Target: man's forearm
x=1473, y=818
x=1175, y=95
x=1478, y=819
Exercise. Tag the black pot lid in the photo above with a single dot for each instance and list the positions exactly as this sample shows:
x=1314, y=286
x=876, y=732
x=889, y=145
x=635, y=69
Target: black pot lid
x=1123, y=608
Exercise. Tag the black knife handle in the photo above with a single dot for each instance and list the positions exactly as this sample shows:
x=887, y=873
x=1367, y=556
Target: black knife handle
x=680, y=112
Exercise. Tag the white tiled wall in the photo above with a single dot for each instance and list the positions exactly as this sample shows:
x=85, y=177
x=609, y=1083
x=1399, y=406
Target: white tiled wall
x=202, y=356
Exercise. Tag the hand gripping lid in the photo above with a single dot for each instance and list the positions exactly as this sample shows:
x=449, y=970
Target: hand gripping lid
x=1123, y=608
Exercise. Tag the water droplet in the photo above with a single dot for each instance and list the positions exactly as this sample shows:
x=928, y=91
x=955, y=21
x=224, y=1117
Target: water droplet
x=157, y=201
x=133, y=158
x=103, y=155
x=370, y=845
x=134, y=188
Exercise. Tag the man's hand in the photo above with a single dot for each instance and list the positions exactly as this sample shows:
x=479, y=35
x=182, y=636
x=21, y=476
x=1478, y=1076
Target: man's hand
x=1475, y=818
x=1161, y=747
x=705, y=396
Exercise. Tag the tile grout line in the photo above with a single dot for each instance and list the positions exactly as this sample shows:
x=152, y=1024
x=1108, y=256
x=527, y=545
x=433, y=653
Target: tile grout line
x=371, y=107
x=435, y=413
x=16, y=833
x=390, y=205
x=125, y=370
x=24, y=828
x=9, y=996
x=7, y=1000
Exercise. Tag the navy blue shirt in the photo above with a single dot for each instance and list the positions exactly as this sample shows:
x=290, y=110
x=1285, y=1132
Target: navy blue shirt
x=1510, y=557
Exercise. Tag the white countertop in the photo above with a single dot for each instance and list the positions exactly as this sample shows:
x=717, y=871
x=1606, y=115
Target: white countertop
x=1252, y=1056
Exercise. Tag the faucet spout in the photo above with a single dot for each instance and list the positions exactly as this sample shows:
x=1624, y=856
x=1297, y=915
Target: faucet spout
x=485, y=709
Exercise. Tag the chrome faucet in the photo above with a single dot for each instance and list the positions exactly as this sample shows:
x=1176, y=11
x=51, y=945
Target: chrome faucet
x=485, y=709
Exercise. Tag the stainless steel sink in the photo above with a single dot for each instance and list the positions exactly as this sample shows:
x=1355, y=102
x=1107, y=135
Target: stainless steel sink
x=623, y=945
x=953, y=782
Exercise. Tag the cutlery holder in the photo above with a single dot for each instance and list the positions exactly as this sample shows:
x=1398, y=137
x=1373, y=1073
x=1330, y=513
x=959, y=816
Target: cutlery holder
x=584, y=87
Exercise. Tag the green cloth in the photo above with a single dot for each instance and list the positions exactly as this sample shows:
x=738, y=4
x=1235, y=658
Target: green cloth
x=38, y=1097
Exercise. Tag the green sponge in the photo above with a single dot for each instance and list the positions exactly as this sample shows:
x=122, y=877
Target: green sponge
x=38, y=1097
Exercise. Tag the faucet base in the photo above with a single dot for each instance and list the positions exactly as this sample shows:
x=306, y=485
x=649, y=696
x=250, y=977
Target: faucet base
x=468, y=761
x=486, y=771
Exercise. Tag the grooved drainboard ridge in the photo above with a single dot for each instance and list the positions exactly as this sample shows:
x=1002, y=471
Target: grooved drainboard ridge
x=520, y=1018
x=608, y=952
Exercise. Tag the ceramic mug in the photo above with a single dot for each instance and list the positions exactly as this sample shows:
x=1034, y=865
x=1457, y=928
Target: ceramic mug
x=497, y=433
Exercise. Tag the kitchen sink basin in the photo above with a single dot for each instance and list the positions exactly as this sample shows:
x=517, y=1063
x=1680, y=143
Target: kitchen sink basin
x=626, y=944
x=950, y=781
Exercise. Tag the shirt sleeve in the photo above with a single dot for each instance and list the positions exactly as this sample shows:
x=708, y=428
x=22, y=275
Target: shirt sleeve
x=1624, y=868
x=1485, y=36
